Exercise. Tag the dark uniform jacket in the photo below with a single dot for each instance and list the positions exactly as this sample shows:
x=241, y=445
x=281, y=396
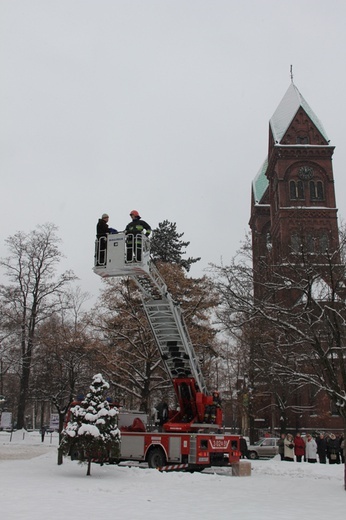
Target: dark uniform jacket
x=101, y=228
x=321, y=446
x=137, y=226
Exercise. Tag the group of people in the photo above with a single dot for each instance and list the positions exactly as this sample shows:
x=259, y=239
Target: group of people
x=326, y=447
x=135, y=230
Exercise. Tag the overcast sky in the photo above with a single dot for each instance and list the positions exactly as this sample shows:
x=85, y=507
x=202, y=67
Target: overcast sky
x=161, y=106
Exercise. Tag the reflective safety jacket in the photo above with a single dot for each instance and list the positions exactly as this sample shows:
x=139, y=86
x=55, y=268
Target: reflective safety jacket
x=137, y=226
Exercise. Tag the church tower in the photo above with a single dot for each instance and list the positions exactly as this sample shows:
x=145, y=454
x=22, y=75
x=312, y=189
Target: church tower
x=293, y=198
x=294, y=217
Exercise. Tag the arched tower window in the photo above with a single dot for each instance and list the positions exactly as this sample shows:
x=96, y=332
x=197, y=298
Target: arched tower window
x=323, y=243
x=316, y=190
x=295, y=243
x=297, y=190
x=310, y=243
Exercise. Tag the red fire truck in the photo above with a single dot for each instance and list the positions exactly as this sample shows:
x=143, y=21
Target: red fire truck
x=191, y=437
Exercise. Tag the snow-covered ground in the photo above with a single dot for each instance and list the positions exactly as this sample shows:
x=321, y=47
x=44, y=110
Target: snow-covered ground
x=33, y=486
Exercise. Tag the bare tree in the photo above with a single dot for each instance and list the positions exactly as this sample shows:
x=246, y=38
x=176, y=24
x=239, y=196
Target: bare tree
x=132, y=360
x=130, y=356
x=32, y=295
x=298, y=312
x=66, y=357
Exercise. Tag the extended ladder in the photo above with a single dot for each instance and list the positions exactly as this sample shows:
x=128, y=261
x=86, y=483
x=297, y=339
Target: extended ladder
x=163, y=313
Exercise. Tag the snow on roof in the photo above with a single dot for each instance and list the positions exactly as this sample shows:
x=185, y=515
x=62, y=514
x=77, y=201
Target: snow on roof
x=279, y=123
x=260, y=182
x=286, y=111
x=309, y=207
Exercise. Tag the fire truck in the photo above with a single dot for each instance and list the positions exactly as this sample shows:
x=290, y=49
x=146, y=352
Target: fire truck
x=192, y=436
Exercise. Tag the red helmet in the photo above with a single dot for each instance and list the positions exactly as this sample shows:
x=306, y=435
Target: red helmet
x=135, y=213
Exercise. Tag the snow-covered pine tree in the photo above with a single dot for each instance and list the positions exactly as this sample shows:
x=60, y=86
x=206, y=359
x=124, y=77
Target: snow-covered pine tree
x=92, y=430
x=167, y=246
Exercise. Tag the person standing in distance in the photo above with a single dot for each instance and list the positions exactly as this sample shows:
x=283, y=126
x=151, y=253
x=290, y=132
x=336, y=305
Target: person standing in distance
x=135, y=228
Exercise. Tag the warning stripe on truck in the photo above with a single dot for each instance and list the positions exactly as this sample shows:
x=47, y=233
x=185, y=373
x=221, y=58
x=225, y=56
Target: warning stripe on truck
x=173, y=467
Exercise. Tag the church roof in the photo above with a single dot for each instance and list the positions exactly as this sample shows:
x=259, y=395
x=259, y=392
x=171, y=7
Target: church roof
x=279, y=123
x=260, y=183
x=286, y=111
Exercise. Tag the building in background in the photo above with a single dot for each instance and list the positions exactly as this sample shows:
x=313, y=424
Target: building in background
x=293, y=203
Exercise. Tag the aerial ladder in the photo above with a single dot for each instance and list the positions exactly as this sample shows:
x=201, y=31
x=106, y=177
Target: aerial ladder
x=112, y=259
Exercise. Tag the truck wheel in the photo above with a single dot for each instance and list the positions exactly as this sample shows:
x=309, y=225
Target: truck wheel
x=156, y=458
x=252, y=455
x=196, y=468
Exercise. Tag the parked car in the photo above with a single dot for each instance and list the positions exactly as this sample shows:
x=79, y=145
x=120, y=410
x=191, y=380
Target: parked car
x=267, y=447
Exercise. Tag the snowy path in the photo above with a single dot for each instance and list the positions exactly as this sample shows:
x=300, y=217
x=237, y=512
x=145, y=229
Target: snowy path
x=38, y=489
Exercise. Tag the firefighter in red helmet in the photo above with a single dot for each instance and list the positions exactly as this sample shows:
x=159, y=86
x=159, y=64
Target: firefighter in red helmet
x=135, y=229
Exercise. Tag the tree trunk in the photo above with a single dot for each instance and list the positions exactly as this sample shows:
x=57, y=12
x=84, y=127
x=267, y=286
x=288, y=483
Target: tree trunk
x=24, y=388
x=89, y=467
x=43, y=426
x=60, y=457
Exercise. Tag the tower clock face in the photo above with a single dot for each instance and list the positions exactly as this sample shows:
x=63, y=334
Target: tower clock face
x=305, y=173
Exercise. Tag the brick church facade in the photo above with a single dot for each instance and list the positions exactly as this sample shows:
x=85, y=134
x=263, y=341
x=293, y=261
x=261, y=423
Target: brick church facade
x=293, y=199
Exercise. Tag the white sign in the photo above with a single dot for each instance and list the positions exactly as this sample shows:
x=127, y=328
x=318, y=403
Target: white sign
x=6, y=420
x=54, y=421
